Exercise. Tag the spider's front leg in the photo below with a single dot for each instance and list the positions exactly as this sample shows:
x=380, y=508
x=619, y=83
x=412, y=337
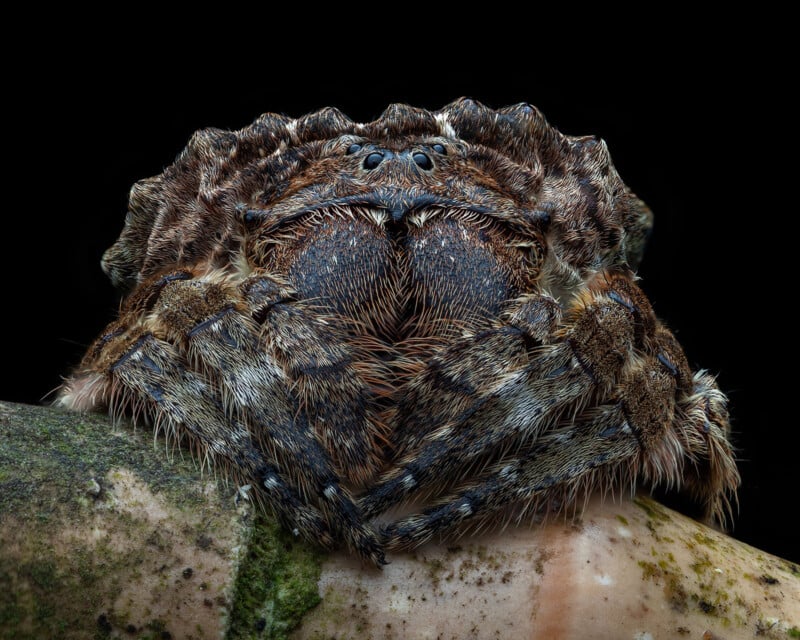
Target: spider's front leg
x=210, y=358
x=483, y=394
x=601, y=399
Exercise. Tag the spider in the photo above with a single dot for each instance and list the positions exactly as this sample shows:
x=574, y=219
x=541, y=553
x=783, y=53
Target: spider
x=438, y=307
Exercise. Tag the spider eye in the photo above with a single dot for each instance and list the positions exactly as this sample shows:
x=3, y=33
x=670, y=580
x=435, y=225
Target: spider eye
x=422, y=160
x=353, y=148
x=373, y=160
x=439, y=148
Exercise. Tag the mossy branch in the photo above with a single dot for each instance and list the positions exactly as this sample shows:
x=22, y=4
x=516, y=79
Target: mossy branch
x=105, y=535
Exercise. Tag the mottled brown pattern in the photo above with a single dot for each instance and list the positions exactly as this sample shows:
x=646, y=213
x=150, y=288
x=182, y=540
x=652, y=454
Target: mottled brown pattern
x=434, y=306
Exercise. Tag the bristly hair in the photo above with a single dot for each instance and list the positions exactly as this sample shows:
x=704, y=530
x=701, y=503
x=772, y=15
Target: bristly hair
x=189, y=212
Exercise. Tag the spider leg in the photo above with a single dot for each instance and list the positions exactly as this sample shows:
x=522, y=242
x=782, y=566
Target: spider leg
x=503, y=387
x=521, y=401
x=152, y=372
x=543, y=472
x=649, y=418
x=320, y=369
x=331, y=386
x=203, y=369
x=456, y=381
x=604, y=446
x=712, y=477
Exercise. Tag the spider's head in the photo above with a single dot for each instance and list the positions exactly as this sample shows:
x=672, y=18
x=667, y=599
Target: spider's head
x=508, y=163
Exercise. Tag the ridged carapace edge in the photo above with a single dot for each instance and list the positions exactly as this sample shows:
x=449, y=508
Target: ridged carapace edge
x=188, y=213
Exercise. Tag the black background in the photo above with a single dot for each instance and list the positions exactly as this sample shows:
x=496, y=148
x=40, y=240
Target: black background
x=698, y=143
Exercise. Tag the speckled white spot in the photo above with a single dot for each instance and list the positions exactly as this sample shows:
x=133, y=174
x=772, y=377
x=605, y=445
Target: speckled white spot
x=331, y=492
x=399, y=602
x=624, y=532
x=602, y=578
x=642, y=635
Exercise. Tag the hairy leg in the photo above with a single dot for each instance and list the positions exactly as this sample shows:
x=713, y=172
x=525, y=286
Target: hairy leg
x=603, y=401
x=502, y=387
x=193, y=353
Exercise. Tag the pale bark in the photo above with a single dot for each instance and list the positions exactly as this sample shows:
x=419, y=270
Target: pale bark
x=630, y=569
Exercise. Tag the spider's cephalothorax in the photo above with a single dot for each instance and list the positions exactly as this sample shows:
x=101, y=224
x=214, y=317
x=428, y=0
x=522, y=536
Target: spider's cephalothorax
x=437, y=306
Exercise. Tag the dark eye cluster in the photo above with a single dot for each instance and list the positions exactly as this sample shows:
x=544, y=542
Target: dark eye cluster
x=422, y=158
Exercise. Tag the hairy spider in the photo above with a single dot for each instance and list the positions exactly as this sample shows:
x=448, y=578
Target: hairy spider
x=438, y=306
